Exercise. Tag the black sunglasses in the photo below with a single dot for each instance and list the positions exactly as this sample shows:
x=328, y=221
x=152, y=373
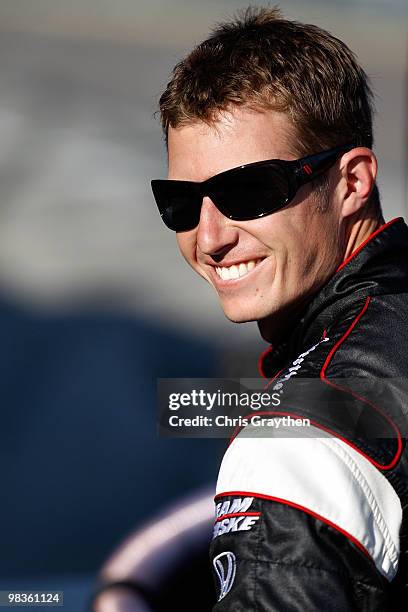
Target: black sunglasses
x=247, y=192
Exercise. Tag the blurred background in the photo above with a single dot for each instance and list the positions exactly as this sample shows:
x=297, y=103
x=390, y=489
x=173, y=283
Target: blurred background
x=95, y=301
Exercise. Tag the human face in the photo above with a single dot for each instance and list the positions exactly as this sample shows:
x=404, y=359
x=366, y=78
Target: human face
x=262, y=268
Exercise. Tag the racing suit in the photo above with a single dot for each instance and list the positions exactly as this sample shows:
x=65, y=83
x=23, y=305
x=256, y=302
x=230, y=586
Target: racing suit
x=319, y=520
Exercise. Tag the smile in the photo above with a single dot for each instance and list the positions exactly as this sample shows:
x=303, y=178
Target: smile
x=237, y=270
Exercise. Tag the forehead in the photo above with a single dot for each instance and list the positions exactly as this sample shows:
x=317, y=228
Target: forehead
x=240, y=136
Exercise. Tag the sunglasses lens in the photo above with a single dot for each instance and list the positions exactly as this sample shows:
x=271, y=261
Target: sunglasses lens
x=179, y=204
x=242, y=194
x=252, y=192
x=182, y=213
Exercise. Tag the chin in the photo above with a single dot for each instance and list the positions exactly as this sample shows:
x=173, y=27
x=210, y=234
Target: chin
x=235, y=318
x=239, y=313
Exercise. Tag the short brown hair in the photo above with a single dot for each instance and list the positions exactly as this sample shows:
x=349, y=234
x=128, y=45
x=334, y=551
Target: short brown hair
x=264, y=61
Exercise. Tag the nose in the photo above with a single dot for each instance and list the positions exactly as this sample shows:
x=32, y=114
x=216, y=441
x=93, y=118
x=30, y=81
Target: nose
x=215, y=233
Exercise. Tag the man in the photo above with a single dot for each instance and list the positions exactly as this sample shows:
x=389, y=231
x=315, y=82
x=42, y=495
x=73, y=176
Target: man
x=300, y=246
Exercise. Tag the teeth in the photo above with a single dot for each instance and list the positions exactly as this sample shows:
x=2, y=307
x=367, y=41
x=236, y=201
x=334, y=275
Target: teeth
x=236, y=271
x=242, y=269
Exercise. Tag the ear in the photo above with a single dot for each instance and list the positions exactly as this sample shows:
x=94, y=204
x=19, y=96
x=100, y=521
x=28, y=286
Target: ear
x=358, y=170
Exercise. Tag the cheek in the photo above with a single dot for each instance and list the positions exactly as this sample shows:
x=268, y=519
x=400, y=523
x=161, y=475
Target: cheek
x=321, y=246
x=187, y=244
x=302, y=244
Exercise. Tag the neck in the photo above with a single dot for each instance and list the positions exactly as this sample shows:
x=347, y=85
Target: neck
x=361, y=226
x=274, y=328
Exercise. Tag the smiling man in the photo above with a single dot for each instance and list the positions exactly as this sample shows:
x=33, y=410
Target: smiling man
x=271, y=192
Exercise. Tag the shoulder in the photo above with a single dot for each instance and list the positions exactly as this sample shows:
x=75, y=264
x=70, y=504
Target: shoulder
x=369, y=338
x=351, y=381
x=321, y=476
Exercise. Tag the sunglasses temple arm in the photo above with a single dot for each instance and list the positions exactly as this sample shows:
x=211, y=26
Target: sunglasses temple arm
x=313, y=166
